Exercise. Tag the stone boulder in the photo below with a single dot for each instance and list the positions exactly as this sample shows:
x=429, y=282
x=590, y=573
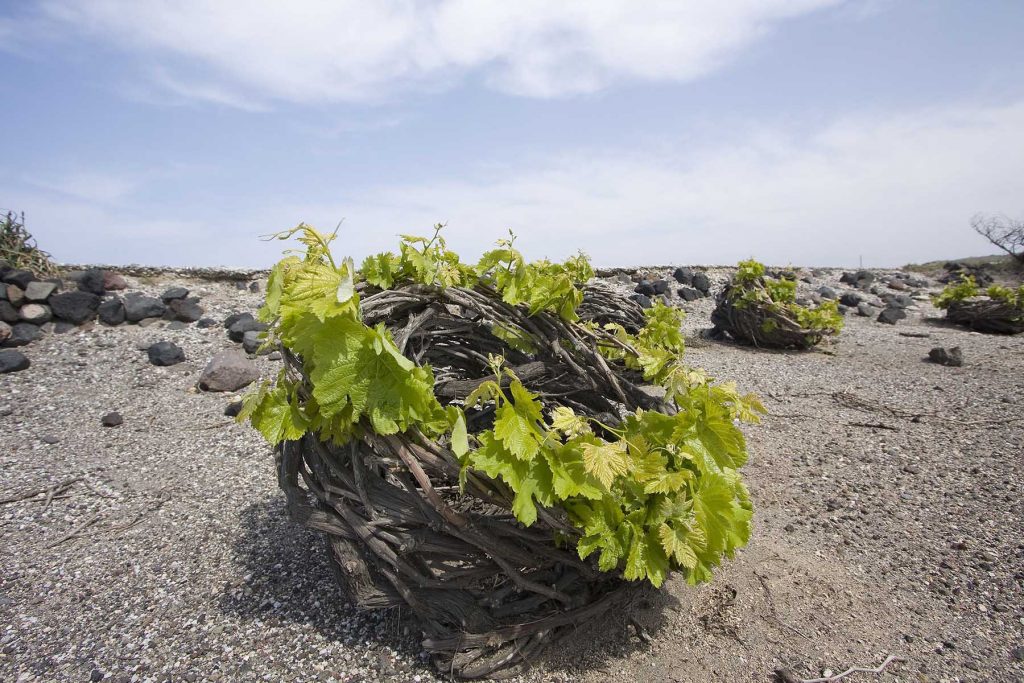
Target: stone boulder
x=701, y=282
x=164, y=353
x=228, y=371
x=111, y=312
x=186, y=310
x=891, y=315
x=37, y=314
x=20, y=278
x=23, y=334
x=113, y=282
x=642, y=299
x=688, y=294
x=174, y=293
x=851, y=299
x=15, y=294
x=13, y=361
x=645, y=287
x=137, y=308
x=952, y=357
x=75, y=307
x=237, y=331
x=92, y=281
x=39, y=291
x=683, y=276
x=8, y=313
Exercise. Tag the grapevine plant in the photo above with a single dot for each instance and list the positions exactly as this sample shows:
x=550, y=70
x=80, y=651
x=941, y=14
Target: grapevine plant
x=995, y=309
x=645, y=491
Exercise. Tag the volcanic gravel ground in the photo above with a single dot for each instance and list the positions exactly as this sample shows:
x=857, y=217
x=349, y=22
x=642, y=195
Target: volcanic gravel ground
x=889, y=520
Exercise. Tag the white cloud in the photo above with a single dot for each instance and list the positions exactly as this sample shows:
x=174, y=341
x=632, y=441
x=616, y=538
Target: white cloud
x=338, y=50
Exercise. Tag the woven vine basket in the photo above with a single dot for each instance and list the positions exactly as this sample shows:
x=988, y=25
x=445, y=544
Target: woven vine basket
x=986, y=315
x=764, y=326
x=489, y=593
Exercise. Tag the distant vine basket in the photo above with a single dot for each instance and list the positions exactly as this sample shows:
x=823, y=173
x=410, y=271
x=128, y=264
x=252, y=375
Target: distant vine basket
x=985, y=314
x=490, y=593
x=761, y=310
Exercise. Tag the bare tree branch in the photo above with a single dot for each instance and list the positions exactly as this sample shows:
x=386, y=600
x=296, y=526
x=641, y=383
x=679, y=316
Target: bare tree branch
x=1002, y=231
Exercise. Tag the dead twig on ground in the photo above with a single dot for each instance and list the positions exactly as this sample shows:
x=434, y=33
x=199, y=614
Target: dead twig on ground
x=873, y=425
x=855, y=669
x=775, y=613
x=76, y=531
x=32, y=493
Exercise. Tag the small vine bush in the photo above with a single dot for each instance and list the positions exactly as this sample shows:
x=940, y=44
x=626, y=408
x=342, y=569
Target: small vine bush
x=633, y=486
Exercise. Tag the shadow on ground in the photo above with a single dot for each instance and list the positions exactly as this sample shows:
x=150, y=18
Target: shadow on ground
x=285, y=576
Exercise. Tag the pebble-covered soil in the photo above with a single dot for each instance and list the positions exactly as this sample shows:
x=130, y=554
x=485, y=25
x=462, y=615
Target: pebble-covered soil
x=890, y=521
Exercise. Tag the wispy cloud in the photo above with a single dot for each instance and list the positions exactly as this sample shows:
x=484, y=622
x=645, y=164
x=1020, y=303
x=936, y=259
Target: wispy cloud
x=344, y=50
x=89, y=185
x=892, y=188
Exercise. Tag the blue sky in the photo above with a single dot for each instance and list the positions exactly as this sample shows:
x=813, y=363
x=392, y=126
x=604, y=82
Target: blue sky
x=815, y=132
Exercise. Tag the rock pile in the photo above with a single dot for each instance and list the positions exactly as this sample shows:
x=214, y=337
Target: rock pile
x=30, y=306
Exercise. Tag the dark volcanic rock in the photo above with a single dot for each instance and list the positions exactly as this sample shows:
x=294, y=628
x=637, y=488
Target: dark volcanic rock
x=643, y=300
x=174, y=293
x=237, y=331
x=688, y=294
x=22, y=334
x=75, y=307
x=112, y=419
x=235, y=317
x=206, y=322
x=891, y=315
x=683, y=276
x=228, y=371
x=111, y=311
x=233, y=409
x=186, y=310
x=5, y=332
x=827, y=292
x=254, y=287
x=645, y=287
x=851, y=299
x=20, y=278
x=251, y=342
x=8, y=313
x=952, y=357
x=660, y=286
x=137, y=308
x=701, y=282
x=13, y=361
x=92, y=281
x=165, y=353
